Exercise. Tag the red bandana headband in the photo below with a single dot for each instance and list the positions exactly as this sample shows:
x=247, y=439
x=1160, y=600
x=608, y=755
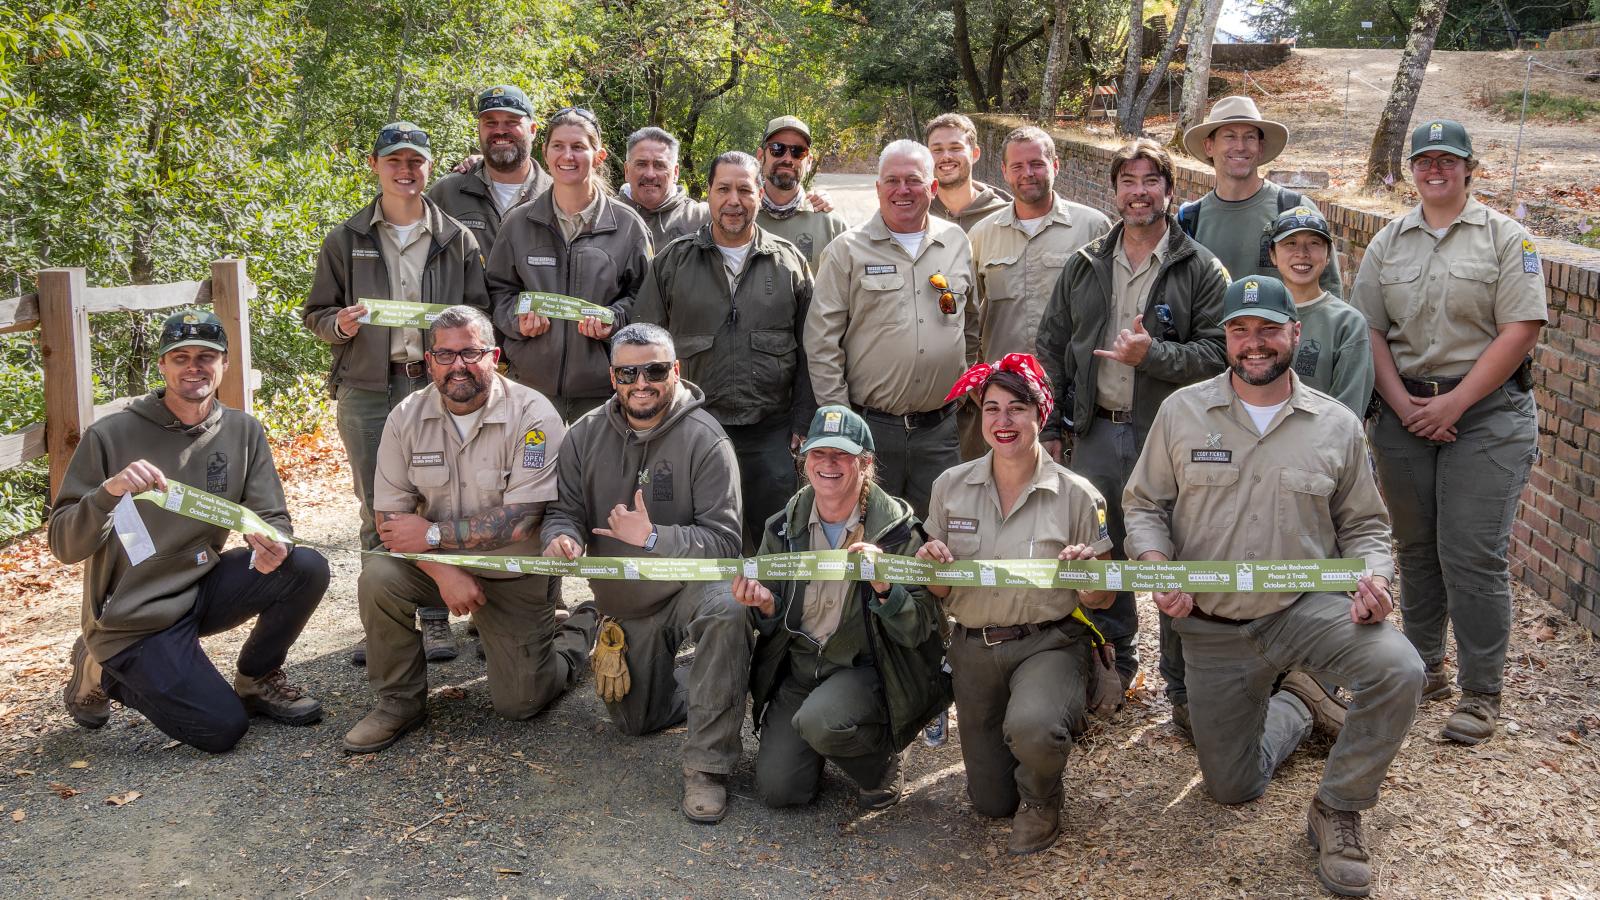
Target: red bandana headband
x=1017, y=363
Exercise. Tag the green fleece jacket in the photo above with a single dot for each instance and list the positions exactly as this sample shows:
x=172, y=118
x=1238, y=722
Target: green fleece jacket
x=226, y=454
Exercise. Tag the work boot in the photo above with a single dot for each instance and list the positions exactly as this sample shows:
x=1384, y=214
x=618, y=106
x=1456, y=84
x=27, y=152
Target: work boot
x=1035, y=827
x=1437, y=685
x=272, y=695
x=380, y=728
x=358, y=654
x=438, y=641
x=1327, y=713
x=937, y=732
x=705, y=797
x=1473, y=720
x=1342, y=865
x=1180, y=721
x=889, y=788
x=85, y=700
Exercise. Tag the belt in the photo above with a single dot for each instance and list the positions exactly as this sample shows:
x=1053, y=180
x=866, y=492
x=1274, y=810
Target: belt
x=1204, y=616
x=1116, y=416
x=995, y=635
x=1429, y=387
x=409, y=369
x=911, y=421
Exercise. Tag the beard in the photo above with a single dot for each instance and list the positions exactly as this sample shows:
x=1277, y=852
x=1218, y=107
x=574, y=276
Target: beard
x=1273, y=372
x=1032, y=191
x=655, y=406
x=506, y=159
x=960, y=178
x=784, y=179
x=464, y=391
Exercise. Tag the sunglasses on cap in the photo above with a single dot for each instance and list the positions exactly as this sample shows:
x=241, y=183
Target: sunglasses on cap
x=391, y=136
x=502, y=102
x=777, y=149
x=655, y=372
x=580, y=112
x=193, y=331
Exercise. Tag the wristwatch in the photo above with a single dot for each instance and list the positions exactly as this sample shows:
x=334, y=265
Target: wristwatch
x=650, y=542
x=433, y=535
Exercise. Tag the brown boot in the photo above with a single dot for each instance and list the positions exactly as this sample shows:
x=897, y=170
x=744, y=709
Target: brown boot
x=705, y=797
x=1342, y=866
x=1437, y=685
x=273, y=696
x=1473, y=720
x=1035, y=827
x=380, y=728
x=1327, y=713
x=86, y=702
x=1180, y=721
x=889, y=788
x=438, y=641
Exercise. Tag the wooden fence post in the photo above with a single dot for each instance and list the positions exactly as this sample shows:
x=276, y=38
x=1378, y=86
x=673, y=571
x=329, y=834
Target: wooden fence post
x=231, y=291
x=64, y=340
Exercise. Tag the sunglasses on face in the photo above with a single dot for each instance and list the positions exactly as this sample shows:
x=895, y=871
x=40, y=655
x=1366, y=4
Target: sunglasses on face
x=391, y=136
x=188, y=331
x=470, y=356
x=777, y=149
x=655, y=372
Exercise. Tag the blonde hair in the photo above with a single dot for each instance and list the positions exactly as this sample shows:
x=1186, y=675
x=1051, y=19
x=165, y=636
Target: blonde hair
x=599, y=175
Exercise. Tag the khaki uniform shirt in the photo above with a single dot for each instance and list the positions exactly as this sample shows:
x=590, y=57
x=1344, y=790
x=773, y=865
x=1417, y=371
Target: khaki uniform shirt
x=874, y=335
x=825, y=600
x=1129, y=288
x=1016, y=272
x=1209, y=487
x=405, y=279
x=425, y=467
x=1058, y=509
x=572, y=224
x=1439, y=300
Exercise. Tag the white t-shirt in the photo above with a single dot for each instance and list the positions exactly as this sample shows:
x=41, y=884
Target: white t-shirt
x=733, y=259
x=465, y=423
x=403, y=233
x=912, y=242
x=505, y=193
x=1031, y=226
x=1262, y=415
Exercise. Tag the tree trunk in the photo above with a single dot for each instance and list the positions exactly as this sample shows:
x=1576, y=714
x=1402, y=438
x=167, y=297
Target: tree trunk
x=996, y=76
x=1197, y=70
x=691, y=123
x=1055, y=60
x=1383, y=162
x=1133, y=124
x=1130, y=73
x=963, y=47
x=399, y=70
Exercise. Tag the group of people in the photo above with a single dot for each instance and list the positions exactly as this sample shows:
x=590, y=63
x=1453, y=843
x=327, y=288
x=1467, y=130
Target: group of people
x=973, y=373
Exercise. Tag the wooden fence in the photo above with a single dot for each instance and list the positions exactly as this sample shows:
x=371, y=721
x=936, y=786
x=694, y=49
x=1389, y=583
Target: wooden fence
x=60, y=310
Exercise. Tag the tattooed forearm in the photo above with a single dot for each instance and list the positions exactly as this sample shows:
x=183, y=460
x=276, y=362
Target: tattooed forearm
x=492, y=528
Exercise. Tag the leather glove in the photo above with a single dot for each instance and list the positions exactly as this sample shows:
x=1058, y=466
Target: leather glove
x=1105, y=685
x=610, y=666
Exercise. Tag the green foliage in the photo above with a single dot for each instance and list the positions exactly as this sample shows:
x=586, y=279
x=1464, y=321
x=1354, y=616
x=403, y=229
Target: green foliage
x=1546, y=107
x=1468, y=24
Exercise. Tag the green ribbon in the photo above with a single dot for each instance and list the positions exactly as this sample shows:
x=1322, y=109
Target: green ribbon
x=400, y=313
x=1195, y=577
x=561, y=306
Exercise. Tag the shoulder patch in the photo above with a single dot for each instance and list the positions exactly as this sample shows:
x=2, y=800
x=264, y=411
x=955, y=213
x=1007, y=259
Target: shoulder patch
x=1530, y=257
x=533, y=444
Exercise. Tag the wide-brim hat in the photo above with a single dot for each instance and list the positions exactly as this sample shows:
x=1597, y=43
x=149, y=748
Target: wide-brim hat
x=1235, y=111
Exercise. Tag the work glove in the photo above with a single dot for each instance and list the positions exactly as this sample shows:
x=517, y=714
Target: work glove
x=610, y=666
x=1105, y=685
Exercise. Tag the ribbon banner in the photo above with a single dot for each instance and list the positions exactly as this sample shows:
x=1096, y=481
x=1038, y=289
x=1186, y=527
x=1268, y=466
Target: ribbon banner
x=400, y=313
x=1273, y=576
x=560, y=306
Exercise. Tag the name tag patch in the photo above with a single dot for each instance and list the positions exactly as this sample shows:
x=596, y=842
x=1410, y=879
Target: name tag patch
x=473, y=223
x=882, y=270
x=533, y=450
x=364, y=253
x=541, y=260
x=1211, y=456
x=435, y=458
x=962, y=526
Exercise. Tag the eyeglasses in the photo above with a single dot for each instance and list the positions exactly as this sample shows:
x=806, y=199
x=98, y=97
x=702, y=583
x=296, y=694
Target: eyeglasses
x=185, y=331
x=1445, y=163
x=777, y=149
x=655, y=372
x=391, y=136
x=470, y=356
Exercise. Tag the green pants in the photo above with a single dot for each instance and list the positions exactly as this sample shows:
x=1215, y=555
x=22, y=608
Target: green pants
x=909, y=460
x=1453, y=505
x=360, y=417
x=839, y=717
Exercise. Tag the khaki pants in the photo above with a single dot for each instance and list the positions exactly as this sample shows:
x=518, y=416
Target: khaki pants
x=531, y=662
x=1243, y=731
x=839, y=718
x=360, y=416
x=710, y=695
x=1019, y=704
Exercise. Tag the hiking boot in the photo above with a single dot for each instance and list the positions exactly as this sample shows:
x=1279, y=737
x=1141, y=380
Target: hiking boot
x=273, y=696
x=1342, y=865
x=1437, y=685
x=889, y=788
x=1327, y=713
x=85, y=700
x=1035, y=827
x=380, y=728
x=1473, y=720
x=1180, y=721
x=705, y=797
x=438, y=641
x=935, y=733
x=358, y=654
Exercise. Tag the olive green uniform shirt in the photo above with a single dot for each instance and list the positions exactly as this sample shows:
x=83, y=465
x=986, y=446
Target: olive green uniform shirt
x=1017, y=271
x=1208, y=486
x=1130, y=287
x=807, y=229
x=1440, y=300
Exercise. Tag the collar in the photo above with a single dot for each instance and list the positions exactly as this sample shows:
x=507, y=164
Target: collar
x=1044, y=478
x=816, y=518
x=600, y=215
x=1160, y=252
x=762, y=243
x=1218, y=392
x=1059, y=212
x=1474, y=213
x=496, y=410
x=936, y=230
x=378, y=219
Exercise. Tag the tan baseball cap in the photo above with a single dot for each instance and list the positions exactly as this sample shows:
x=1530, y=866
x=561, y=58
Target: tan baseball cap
x=782, y=122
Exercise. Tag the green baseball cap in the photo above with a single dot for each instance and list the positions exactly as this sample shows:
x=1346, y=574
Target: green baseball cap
x=192, y=328
x=1446, y=135
x=840, y=428
x=402, y=136
x=1261, y=296
x=507, y=97
x=1298, y=219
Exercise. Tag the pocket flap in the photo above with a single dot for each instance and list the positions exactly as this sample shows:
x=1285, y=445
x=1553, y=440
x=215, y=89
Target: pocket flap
x=492, y=479
x=1304, y=482
x=1210, y=475
x=690, y=344
x=1474, y=270
x=1055, y=259
x=777, y=342
x=429, y=476
x=1399, y=274
x=999, y=262
x=892, y=282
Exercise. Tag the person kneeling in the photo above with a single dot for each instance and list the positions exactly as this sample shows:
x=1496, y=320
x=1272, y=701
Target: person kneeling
x=818, y=688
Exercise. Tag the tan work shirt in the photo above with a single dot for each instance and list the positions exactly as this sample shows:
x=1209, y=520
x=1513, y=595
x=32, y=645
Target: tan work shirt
x=1130, y=287
x=1057, y=509
x=874, y=335
x=1209, y=487
x=825, y=600
x=573, y=224
x=405, y=265
x=1017, y=272
x=1439, y=300
x=509, y=456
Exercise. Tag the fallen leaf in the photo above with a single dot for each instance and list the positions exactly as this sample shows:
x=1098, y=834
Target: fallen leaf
x=451, y=693
x=79, y=764
x=18, y=815
x=498, y=870
x=171, y=744
x=24, y=773
x=123, y=799
x=63, y=791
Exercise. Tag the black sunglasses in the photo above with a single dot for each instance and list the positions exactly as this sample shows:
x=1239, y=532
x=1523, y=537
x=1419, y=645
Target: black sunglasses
x=391, y=136
x=778, y=148
x=656, y=372
x=580, y=112
x=186, y=331
x=470, y=356
x=511, y=103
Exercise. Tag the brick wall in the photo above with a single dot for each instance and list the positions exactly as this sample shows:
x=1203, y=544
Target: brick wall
x=1555, y=543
